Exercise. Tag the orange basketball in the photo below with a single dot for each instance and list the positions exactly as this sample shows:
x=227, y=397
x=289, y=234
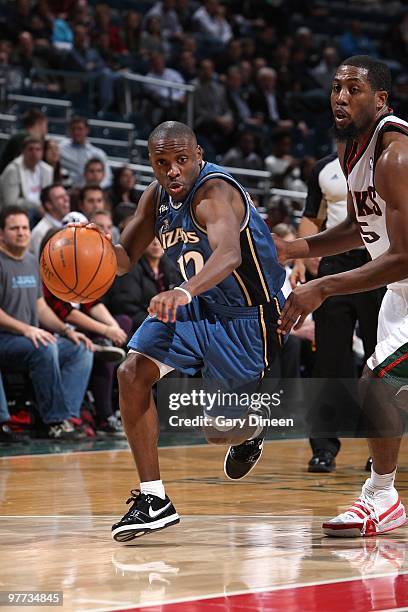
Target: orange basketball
x=78, y=264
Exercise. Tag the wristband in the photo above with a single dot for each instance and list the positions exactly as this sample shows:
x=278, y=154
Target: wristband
x=188, y=294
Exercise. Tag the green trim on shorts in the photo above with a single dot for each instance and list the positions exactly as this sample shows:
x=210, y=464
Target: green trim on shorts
x=395, y=366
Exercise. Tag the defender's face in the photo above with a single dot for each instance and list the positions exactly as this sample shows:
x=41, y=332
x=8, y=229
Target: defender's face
x=354, y=103
x=176, y=165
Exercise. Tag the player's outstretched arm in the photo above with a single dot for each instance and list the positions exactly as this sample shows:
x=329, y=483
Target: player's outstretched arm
x=343, y=237
x=392, y=266
x=138, y=233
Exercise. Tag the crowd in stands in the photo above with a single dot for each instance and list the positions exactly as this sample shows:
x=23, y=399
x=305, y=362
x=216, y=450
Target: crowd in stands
x=261, y=73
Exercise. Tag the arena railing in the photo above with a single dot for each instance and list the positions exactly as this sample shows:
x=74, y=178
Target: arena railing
x=138, y=78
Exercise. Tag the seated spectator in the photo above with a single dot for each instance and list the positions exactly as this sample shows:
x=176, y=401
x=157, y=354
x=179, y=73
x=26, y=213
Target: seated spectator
x=56, y=204
x=151, y=38
x=131, y=31
x=59, y=365
x=131, y=294
x=245, y=155
x=62, y=35
x=170, y=101
x=214, y=122
x=91, y=198
x=94, y=171
x=104, y=25
x=266, y=102
x=84, y=58
x=76, y=151
x=354, y=42
x=326, y=68
x=238, y=101
x=284, y=168
x=35, y=124
x=103, y=220
x=23, y=179
x=170, y=24
x=108, y=335
x=187, y=66
x=122, y=213
x=123, y=188
x=52, y=157
x=210, y=21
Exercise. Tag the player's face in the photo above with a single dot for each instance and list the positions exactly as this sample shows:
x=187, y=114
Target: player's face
x=16, y=234
x=354, y=103
x=176, y=165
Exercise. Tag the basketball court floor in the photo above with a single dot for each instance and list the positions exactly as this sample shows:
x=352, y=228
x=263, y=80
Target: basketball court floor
x=247, y=546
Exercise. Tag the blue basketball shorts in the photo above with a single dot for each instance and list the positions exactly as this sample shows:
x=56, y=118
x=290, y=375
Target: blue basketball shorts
x=222, y=342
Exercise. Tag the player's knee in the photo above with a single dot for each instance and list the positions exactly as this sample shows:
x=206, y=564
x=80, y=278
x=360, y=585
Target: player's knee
x=137, y=372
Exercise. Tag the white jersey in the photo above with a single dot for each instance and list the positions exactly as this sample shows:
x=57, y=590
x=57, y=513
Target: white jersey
x=359, y=166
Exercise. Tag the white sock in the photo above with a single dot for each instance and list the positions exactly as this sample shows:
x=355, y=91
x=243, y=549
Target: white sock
x=154, y=487
x=381, y=482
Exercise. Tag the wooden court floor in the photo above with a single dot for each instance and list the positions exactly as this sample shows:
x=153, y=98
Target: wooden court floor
x=253, y=545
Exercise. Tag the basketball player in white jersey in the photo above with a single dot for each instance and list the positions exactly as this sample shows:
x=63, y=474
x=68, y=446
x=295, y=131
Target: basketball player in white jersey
x=373, y=149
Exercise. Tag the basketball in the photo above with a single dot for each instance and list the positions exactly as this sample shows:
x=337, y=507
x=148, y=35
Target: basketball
x=78, y=264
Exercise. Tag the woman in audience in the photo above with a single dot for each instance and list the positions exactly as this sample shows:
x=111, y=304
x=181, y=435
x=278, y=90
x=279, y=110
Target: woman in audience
x=123, y=189
x=52, y=157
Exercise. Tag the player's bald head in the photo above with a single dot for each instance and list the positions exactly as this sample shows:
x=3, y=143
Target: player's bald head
x=172, y=131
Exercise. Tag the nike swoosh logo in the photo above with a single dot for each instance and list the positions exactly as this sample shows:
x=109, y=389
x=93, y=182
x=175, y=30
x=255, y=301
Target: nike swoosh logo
x=154, y=513
x=403, y=388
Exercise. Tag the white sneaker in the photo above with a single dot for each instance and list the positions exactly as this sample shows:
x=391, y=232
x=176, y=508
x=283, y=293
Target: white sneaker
x=370, y=515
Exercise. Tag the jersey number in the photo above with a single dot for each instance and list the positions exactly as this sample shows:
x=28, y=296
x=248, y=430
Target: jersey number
x=368, y=237
x=185, y=259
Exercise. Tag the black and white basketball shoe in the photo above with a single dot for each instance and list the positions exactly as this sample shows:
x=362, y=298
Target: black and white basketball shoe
x=148, y=513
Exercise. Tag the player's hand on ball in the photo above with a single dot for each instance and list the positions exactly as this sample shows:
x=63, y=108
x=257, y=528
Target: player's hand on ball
x=302, y=301
x=164, y=305
x=91, y=226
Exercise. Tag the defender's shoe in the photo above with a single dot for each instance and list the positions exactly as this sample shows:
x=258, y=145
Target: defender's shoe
x=372, y=514
x=148, y=513
x=322, y=461
x=241, y=459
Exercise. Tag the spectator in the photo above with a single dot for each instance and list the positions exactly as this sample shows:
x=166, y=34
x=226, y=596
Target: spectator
x=354, y=42
x=266, y=102
x=76, y=151
x=56, y=204
x=94, y=171
x=104, y=25
x=244, y=155
x=151, y=39
x=103, y=220
x=210, y=21
x=59, y=365
x=123, y=189
x=53, y=158
x=187, y=66
x=169, y=21
x=324, y=72
x=284, y=168
x=122, y=214
x=213, y=117
x=35, y=123
x=84, y=58
x=131, y=31
x=168, y=99
x=91, y=199
x=22, y=180
x=238, y=102
x=131, y=294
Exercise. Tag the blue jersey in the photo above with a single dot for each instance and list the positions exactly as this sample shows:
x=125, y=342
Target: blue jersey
x=258, y=279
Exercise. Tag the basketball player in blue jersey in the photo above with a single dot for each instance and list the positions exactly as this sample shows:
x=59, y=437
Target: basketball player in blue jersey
x=373, y=149
x=221, y=321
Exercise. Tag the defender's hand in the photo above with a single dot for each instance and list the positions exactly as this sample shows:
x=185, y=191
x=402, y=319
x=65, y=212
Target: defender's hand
x=165, y=304
x=303, y=300
x=282, y=247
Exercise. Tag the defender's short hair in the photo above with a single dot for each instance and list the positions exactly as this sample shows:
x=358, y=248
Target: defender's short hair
x=378, y=73
x=171, y=130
